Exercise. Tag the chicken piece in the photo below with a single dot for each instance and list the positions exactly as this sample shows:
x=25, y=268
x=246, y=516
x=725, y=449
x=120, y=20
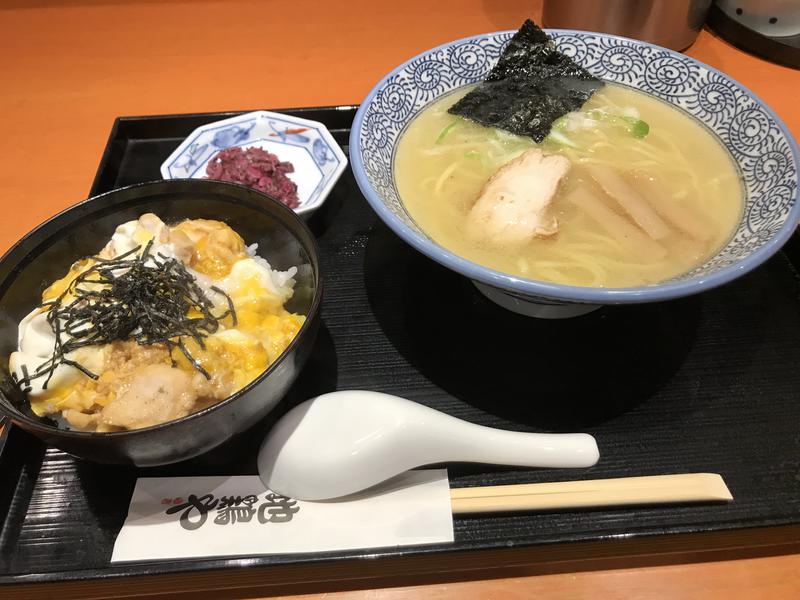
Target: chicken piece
x=182, y=246
x=514, y=205
x=80, y=420
x=155, y=394
x=155, y=227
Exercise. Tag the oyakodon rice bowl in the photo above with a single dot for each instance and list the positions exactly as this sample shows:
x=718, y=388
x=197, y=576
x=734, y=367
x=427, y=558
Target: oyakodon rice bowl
x=162, y=322
x=229, y=352
x=594, y=232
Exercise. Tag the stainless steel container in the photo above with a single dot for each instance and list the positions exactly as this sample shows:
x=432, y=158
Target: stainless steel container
x=773, y=18
x=669, y=23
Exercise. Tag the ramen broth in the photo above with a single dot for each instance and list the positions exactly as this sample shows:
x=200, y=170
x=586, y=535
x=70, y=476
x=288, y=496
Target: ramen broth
x=678, y=168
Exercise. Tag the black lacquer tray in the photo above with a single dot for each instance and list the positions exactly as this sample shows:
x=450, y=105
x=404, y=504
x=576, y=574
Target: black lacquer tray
x=708, y=383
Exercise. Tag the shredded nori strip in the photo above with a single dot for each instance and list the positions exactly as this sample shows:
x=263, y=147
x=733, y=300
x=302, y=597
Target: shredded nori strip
x=146, y=298
x=532, y=85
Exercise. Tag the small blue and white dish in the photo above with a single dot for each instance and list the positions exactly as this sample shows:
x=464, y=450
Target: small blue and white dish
x=317, y=159
x=763, y=149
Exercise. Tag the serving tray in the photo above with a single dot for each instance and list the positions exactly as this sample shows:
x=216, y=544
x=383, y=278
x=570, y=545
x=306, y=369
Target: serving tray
x=708, y=383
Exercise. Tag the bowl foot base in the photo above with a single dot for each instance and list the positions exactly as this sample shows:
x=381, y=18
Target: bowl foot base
x=539, y=308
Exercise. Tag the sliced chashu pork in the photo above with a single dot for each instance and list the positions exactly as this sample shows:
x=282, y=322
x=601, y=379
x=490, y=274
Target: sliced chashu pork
x=514, y=205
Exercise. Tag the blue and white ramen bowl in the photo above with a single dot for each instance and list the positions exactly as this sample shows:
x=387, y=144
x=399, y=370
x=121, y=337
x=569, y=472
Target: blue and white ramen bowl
x=763, y=149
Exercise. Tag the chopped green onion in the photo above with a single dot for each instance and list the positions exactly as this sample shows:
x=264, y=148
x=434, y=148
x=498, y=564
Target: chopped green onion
x=472, y=154
x=636, y=127
x=445, y=131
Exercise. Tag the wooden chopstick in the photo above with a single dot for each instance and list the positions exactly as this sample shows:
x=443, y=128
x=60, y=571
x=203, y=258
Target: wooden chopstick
x=656, y=489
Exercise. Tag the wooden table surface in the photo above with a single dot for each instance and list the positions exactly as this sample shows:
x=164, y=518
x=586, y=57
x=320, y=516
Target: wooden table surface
x=70, y=67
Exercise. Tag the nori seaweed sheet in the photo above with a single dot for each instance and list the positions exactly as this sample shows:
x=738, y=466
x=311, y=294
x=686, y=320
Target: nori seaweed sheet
x=532, y=85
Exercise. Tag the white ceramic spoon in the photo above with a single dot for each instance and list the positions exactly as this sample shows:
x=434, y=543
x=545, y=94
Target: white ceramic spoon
x=344, y=442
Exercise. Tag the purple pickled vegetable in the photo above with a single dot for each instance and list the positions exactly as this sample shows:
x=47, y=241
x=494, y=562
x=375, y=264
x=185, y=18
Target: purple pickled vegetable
x=255, y=168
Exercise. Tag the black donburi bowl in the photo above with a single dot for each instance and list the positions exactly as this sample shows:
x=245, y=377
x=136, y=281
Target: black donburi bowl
x=47, y=252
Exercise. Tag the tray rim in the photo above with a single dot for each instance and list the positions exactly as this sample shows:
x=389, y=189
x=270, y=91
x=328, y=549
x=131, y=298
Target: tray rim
x=384, y=569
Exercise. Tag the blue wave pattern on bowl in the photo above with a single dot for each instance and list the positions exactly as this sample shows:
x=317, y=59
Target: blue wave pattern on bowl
x=764, y=152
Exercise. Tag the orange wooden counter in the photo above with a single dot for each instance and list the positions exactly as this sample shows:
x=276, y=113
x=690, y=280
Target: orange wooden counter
x=69, y=67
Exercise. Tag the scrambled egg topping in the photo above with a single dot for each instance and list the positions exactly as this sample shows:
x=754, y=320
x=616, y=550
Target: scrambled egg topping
x=143, y=385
